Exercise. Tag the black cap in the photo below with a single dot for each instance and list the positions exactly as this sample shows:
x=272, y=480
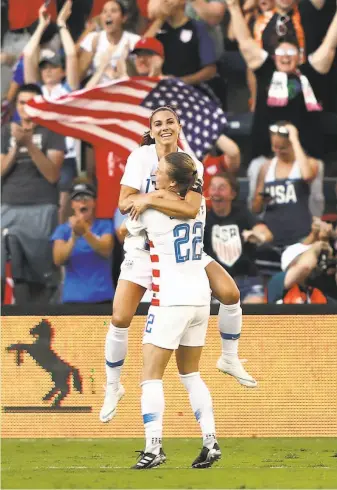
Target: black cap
x=84, y=188
x=48, y=56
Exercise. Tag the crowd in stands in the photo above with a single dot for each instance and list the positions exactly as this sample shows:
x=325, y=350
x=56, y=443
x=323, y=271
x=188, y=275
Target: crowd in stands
x=271, y=194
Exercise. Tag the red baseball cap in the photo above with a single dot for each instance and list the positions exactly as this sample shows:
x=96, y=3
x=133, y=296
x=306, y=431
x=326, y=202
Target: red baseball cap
x=149, y=44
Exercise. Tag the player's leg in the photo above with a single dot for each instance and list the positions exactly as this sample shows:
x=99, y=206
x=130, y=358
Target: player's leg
x=157, y=350
x=125, y=303
x=229, y=321
x=188, y=357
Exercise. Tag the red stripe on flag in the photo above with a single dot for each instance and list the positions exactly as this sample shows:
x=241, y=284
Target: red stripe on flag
x=151, y=244
x=156, y=273
x=154, y=258
x=155, y=288
x=155, y=302
x=86, y=111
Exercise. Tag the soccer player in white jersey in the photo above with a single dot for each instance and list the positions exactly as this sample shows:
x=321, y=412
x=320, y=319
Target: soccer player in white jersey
x=178, y=315
x=136, y=271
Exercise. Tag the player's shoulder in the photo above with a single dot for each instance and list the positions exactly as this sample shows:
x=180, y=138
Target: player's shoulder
x=144, y=152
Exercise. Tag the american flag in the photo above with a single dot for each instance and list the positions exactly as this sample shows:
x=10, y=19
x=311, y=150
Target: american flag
x=118, y=113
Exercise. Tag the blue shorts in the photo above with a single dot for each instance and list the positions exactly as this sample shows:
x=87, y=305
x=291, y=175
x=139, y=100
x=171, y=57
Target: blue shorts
x=249, y=286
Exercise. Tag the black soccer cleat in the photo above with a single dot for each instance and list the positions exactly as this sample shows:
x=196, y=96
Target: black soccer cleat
x=148, y=460
x=207, y=457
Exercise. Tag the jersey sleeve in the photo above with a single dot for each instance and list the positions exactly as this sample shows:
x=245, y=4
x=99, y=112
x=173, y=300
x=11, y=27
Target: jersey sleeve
x=134, y=171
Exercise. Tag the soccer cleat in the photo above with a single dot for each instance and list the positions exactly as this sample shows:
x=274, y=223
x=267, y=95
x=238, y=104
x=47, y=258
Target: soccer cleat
x=148, y=460
x=207, y=457
x=109, y=409
x=234, y=367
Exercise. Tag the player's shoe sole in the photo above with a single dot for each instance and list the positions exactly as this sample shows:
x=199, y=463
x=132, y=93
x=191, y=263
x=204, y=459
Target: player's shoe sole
x=109, y=409
x=207, y=457
x=234, y=368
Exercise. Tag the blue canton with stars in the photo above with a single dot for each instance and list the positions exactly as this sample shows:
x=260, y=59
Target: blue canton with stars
x=202, y=120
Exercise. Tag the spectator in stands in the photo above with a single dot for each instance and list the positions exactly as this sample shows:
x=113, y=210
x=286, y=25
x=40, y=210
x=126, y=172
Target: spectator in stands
x=231, y=236
x=308, y=269
x=31, y=159
x=50, y=40
x=286, y=89
x=257, y=16
x=211, y=12
x=84, y=246
x=56, y=81
x=224, y=156
x=148, y=57
x=196, y=63
x=301, y=20
x=112, y=41
x=282, y=191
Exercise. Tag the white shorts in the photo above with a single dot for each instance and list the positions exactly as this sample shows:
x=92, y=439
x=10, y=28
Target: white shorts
x=138, y=269
x=171, y=326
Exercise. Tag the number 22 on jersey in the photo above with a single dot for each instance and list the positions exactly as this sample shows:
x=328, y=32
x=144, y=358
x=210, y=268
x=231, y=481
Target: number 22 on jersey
x=188, y=243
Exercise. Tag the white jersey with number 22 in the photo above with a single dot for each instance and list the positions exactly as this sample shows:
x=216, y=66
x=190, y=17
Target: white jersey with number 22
x=179, y=277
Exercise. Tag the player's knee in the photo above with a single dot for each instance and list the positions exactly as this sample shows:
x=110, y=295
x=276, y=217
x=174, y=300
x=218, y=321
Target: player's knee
x=233, y=295
x=230, y=295
x=120, y=319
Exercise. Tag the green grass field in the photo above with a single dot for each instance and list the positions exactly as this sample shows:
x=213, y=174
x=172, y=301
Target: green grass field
x=101, y=463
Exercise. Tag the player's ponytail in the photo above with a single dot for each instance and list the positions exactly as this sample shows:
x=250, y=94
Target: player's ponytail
x=182, y=170
x=146, y=139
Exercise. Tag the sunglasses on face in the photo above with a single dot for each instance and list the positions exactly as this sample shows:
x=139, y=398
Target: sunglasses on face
x=82, y=197
x=286, y=52
x=275, y=129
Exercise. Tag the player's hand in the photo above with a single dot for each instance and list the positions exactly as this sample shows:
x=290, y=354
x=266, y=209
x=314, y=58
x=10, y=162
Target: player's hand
x=138, y=205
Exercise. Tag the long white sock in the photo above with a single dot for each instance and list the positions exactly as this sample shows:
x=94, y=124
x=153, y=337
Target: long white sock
x=116, y=345
x=201, y=403
x=230, y=323
x=153, y=405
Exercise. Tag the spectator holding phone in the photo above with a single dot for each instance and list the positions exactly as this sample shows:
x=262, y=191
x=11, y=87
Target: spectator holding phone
x=283, y=186
x=231, y=236
x=84, y=246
